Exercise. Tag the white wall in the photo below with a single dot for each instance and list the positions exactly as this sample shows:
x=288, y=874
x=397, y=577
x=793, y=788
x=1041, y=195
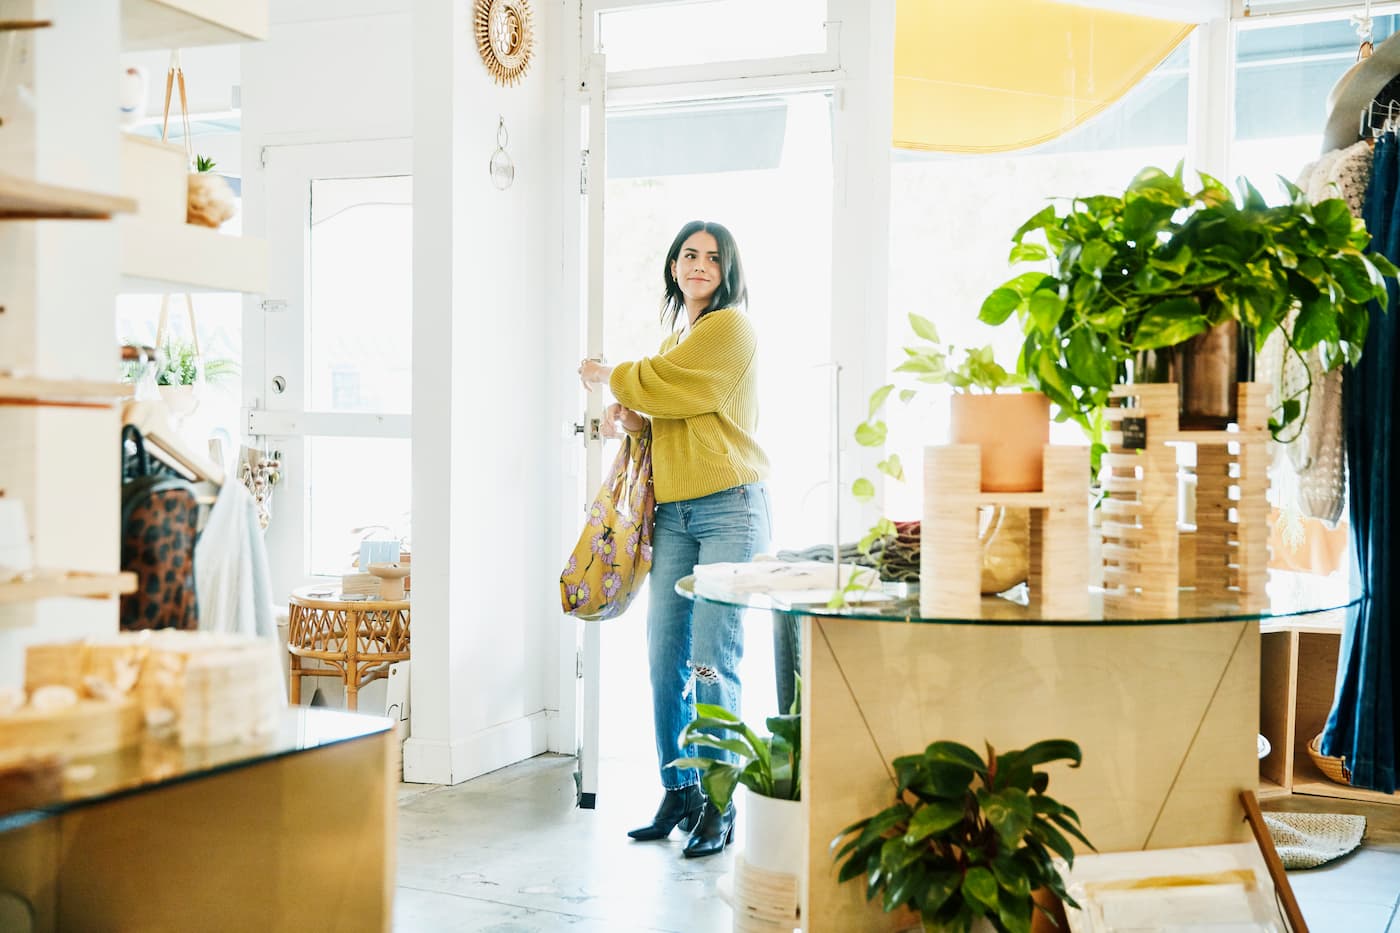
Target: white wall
x=487, y=282
x=488, y=277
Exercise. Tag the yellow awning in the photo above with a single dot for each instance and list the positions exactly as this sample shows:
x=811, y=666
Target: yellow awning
x=988, y=77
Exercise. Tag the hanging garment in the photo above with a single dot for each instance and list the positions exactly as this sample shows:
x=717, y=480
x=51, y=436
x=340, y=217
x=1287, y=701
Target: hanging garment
x=1361, y=725
x=232, y=578
x=159, y=525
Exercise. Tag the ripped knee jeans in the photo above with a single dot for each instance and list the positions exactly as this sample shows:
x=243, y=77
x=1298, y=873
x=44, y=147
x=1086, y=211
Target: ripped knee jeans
x=694, y=649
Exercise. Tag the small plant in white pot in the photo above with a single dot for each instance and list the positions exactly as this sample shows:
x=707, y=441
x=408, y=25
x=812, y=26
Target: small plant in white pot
x=768, y=766
x=178, y=373
x=1010, y=428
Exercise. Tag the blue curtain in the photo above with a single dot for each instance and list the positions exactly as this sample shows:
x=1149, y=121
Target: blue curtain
x=1361, y=726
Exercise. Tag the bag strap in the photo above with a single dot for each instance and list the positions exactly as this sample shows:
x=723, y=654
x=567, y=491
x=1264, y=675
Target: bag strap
x=175, y=76
x=131, y=432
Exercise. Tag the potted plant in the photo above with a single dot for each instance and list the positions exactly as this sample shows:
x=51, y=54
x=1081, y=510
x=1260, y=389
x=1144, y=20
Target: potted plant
x=1173, y=280
x=209, y=197
x=967, y=840
x=769, y=766
x=1011, y=428
x=177, y=372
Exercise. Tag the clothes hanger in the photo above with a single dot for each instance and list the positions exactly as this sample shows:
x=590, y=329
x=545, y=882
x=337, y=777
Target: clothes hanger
x=164, y=443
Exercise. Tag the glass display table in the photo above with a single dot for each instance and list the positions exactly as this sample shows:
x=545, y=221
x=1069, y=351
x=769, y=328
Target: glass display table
x=283, y=831
x=1165, y=709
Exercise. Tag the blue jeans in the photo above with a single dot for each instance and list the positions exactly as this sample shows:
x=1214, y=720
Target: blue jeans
x=694, y=648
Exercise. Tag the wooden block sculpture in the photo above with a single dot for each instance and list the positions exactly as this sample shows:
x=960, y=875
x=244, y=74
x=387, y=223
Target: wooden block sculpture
x=1140, y=549
x=950, y=568
x=1140, y=535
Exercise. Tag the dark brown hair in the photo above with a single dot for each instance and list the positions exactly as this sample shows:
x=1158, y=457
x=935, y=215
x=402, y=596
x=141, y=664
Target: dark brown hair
x=732, y=291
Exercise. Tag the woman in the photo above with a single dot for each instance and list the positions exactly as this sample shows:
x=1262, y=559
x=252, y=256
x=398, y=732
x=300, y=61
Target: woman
x=700, y=393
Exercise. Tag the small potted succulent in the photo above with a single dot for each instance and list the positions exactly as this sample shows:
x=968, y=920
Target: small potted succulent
x=967, y=842
x=210, y=200
x=769, y=766
x=1163, y=283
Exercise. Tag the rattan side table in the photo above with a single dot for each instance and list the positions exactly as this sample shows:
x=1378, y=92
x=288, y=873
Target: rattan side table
x=355, y=640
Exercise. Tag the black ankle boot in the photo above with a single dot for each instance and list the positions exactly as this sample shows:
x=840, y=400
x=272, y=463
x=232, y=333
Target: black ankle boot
x=712, y=833
x=679, y=807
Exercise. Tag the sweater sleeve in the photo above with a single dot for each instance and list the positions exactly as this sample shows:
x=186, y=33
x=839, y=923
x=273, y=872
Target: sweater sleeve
x=694, y=377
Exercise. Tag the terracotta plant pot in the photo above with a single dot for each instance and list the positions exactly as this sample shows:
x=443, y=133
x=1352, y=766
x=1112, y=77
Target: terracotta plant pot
x=1206, y=370
x=1012, y=429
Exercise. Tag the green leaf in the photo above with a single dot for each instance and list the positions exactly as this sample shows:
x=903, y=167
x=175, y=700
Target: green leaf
x=907, y=395
x=1072, y=828
x=1384, y=265
x=719, y=781
x=980, y=886
x=1027, y=252
x=1335, y=219
x=1316, y=323
x=863, y=489
x=877, y=398
x=1015, y=911
x=999, y=306
x=1169, y=323
x=1045, y=309
x=955, y=753
x=1009, y=812
x=1051, y=837
x=942, y=885
x=896, y=856
x=924, y=328
x=1095, y=257
x=1053, y=750
x=1041, y=218
x=933, y=817
x=871, y=434
x=1012, y=877
x=1028, y=283
x=892, y=467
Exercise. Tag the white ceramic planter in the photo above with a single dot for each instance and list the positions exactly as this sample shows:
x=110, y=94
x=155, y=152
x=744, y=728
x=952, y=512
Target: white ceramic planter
x=180, y=401
x=774, y=837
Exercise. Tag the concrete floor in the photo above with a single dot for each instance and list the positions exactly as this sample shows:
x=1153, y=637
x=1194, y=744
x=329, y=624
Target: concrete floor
x=509, y=853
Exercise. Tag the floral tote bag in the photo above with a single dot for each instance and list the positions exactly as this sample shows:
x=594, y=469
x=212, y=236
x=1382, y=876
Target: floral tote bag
x=613, y=555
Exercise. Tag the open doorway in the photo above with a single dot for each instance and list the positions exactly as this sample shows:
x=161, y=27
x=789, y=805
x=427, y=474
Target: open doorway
x=762, y=166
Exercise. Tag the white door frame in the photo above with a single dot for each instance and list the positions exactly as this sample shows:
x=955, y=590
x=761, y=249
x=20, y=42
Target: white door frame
x=279, y=419
x=860, y=333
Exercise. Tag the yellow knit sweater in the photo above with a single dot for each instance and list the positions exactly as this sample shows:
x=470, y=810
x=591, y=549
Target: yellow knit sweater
x=702, y=396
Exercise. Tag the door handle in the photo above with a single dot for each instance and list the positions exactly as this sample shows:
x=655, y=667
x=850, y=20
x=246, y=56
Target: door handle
x=594, y=429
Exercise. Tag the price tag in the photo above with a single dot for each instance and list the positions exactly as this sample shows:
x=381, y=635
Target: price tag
x=1135, y=433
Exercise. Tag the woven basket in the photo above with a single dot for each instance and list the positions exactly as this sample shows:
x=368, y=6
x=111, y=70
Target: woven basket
x=1334, y=768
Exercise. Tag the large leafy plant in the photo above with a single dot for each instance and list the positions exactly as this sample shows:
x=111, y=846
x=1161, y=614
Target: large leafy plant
x=966, y=837
x=768, y=765
x=1160, y=263
x=179, y=366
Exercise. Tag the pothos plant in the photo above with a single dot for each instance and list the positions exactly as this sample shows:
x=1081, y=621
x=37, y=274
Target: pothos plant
x=928, y=362
x=1160, y=263
x=767, y=765
x=966, y=837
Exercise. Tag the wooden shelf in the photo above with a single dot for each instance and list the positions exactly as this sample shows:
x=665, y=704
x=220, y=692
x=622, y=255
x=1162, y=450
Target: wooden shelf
x=95, y=585
x=15, y=25
x=163, y=257
x=182, y=24
x=63, y=393
x=1268, y=790
x=22, y=199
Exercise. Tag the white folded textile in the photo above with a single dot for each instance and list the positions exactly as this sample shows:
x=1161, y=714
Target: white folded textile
x=780, y=576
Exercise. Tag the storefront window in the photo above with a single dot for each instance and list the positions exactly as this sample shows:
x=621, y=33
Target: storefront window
x=1283, y=75
x=951, y=220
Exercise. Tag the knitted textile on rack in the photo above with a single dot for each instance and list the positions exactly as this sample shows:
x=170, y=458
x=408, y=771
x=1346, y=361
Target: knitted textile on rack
x=1316, y=454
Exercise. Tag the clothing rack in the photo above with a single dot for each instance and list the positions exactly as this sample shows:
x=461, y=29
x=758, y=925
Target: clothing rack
x=1382, y=114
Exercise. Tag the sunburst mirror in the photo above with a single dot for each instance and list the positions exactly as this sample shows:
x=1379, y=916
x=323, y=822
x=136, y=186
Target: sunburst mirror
x=505, y=36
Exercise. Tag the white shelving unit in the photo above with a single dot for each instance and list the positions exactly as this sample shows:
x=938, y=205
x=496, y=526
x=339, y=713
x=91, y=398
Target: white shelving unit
x=23, y=199
x=163, y=257
x=182, y=24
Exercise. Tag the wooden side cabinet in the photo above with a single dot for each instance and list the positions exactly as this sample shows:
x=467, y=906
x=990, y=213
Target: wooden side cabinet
x=1297, y=680
x=299, y=837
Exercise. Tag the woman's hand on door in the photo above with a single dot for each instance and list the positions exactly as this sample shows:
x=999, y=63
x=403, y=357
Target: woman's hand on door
x=616, y=417
x=593, y=373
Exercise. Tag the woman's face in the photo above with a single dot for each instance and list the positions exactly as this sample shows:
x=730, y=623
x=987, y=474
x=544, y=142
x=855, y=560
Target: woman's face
x=696, y=268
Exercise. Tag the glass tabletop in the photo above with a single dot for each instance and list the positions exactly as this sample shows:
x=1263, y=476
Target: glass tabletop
x=156, y=763
x=1287, y=595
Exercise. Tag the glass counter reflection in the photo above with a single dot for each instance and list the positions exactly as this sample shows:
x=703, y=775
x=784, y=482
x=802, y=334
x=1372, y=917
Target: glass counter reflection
x=1286, y=595
x=155, y=763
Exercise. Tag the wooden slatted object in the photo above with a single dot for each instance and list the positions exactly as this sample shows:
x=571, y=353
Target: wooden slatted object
x=1141, y=548
x=950, y=557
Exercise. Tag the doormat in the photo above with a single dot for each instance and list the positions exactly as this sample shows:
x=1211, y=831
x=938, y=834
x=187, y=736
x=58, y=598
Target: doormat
x=1307, y=840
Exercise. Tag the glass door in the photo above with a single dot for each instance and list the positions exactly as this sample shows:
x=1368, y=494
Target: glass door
x=334, y=394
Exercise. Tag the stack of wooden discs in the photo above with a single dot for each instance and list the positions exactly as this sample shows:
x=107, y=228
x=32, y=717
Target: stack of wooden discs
x=764, y=901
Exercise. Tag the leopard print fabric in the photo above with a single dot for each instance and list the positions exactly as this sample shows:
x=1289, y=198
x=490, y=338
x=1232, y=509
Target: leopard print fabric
x=159, y=525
